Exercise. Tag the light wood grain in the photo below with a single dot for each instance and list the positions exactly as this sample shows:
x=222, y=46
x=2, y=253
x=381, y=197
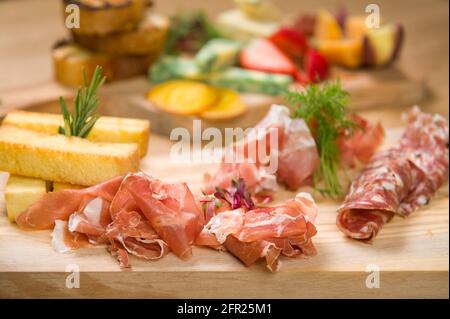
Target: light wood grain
x=412, y=254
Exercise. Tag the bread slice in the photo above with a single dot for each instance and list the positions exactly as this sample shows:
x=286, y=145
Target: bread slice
x=147, y=38
x=69, y=61
x=62, y=186
x=106, y=16
x=106, y=129
x=64, y=159
x=20, y=193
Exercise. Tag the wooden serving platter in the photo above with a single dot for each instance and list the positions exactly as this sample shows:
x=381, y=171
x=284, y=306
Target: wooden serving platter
x=411, y=254
x=367, y=90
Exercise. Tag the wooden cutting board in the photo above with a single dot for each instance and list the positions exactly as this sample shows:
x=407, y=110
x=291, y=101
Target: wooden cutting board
x=368, y=89
x=411, y=254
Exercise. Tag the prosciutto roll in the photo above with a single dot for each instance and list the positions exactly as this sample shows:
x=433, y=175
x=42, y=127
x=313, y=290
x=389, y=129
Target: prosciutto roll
x=285, y=229
x=133, y=214
x=398, y=180
x=295, y=155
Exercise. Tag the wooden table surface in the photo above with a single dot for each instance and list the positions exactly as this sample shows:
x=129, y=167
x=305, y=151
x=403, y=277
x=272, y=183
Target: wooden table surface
x=28, y=30
x=411, y=254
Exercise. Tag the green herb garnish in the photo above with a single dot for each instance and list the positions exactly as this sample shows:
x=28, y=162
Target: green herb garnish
x=323, y=109
x=81, y=122
x=189, y=32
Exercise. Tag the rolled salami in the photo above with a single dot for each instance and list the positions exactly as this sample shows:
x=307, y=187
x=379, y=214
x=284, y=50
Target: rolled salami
x=400, y=179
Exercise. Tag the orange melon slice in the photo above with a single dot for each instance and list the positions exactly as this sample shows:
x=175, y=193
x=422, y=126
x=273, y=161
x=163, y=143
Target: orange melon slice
x=182, y=97
x=229, y=105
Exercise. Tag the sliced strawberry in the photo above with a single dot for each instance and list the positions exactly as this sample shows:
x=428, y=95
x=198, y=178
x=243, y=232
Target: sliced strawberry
x=301, y=77
x=263, y=55
x=316, y=66
x=290, y=41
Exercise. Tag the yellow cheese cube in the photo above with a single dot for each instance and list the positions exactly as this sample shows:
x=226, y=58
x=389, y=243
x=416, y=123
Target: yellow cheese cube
x=21, y=193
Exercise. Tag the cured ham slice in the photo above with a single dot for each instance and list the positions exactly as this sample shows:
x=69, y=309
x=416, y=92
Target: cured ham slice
x=398, y=180
x=298, y=155
x=60, y=205
x=170, y=209
x=278, y=148
x=251, y=252
x=92, y=220
x=362, y=144
x=135, y=214
x=264, y=232
x=131, y=231
x=64, y=240
x=261, y=183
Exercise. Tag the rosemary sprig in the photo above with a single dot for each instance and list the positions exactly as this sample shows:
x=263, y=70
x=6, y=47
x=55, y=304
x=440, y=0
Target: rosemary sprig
x=323, y=109
x=83, y=119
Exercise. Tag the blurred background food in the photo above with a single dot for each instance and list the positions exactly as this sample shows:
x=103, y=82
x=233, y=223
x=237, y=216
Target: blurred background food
x=102, y=17
x=126, y=36
x=226, y=44
x=69, y=60
x=253, y=48
x=123, y=36
x=224, y=62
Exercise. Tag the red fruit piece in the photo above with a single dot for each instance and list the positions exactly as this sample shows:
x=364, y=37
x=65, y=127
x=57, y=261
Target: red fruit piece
x=301, y=77
x=263, y=55
x=316, y=66
x=306, y=24
x=290, y=41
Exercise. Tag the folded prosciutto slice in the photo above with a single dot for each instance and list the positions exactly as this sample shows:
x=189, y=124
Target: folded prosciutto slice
x=135, y=214
x=60, y=205
x=278, y=148
x=298, y=155
x=398, y=180
x=267, y=233
x=362, y=144
x=261, y=184
x=170, y=209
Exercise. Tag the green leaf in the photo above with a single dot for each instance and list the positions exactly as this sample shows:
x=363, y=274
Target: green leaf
x=323, y=109
x=66, y=116
x=78, y=103
x=88, y=127
x=83, y=119
x=192, y=30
